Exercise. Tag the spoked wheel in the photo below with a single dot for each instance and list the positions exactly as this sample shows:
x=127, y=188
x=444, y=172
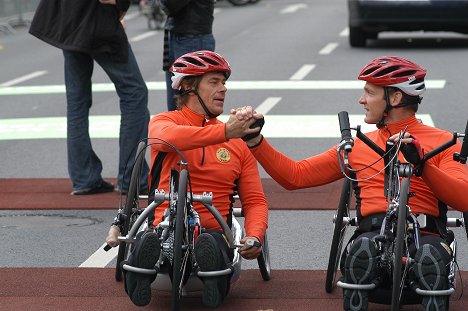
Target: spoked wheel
x=338, y=236
x=131, y=207
x=465, y=220
x=399, y=245
x=180, y=260
x=264, y=260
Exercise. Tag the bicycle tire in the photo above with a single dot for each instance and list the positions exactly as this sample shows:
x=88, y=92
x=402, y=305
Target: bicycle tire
x=399, y=244
x=338, y=236
x=180, y=226
x=131, y=206
x=263, y=260
x=239, y=2
x=465, y=220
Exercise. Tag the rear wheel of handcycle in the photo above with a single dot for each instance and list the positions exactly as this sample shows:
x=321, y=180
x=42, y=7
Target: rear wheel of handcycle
x=264, y=260
x=239, y=2
x=131, y=207
x=338, y=236
x=180, y=261
x=465, y=221
x=397, y=284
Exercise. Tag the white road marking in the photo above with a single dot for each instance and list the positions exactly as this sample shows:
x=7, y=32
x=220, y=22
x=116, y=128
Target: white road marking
x=267, y=105
x=293, y=8
x=231, y=85
x=27, y=77
x=302, y=72
x=345, y=32
x=327, y=49
x=216, y=11
x=144, y=36
x=100, y=258
x=277, y=126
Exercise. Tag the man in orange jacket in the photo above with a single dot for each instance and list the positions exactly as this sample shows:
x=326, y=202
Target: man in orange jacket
x=218, y=162
x=391, y=97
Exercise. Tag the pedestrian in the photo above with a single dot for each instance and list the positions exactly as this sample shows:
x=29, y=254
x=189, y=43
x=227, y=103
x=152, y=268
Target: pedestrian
x=391, y=97
x=188, y=29
x=88, y=31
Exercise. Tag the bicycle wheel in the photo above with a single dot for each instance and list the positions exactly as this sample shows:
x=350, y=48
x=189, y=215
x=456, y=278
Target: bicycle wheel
x=399, y=244
x=263, y=260
x=131, y=207
x=178, y=267
x=338, y=236
x=465, y=220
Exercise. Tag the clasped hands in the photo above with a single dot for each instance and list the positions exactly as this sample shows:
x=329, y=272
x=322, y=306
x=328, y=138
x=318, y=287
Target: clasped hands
x=239, y=123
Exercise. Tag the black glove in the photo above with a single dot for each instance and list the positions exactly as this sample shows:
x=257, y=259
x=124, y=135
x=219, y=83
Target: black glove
x=257, y=123
x=413, y=153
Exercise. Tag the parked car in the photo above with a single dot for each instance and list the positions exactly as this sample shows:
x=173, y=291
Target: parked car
x=367, y=18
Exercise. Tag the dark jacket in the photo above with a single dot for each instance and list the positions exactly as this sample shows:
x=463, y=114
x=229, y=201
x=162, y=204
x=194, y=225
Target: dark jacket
x=189, y=17
x=82, y=25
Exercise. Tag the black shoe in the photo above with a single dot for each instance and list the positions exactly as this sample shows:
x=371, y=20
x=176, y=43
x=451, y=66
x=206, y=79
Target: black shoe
x=429, y=271
x=103, y=187
x=360, y=267
x=145, y=255
x=209, y=258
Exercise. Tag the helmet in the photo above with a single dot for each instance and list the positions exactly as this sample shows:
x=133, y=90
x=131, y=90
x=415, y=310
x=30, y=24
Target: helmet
x=397, y=72
x=197, y=64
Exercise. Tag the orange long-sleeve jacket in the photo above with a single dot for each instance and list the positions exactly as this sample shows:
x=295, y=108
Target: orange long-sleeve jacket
x=215, y=165
x=443, y=178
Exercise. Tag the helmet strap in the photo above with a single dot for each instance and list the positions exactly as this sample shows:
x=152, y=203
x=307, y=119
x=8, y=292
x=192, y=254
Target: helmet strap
x=202, y=103
x=381, y=123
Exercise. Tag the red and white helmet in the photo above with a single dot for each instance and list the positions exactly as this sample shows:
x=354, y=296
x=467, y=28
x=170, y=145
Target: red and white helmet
x=197, y=64
x=397, y=72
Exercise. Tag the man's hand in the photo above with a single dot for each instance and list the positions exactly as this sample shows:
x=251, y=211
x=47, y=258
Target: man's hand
x=240, y=121
x=249, y=251
x=410, y=148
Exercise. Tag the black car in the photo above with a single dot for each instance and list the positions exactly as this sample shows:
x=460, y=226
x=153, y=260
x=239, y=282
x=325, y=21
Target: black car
x=369, y=17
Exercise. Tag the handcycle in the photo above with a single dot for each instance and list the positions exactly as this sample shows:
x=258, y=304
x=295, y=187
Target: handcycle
x=398, y=226
x=176, y=268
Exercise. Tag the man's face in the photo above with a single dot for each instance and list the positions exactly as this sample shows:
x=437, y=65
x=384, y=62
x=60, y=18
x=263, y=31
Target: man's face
x=212, y=90
x=373, y=100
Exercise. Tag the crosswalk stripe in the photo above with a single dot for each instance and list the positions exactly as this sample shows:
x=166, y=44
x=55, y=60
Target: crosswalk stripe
x=276, y=126
x=231, y=85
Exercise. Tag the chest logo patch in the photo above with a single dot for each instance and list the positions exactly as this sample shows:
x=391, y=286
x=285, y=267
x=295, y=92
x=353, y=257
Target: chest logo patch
x=223, y=155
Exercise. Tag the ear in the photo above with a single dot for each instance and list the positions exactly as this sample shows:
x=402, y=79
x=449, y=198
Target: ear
x=395, y=98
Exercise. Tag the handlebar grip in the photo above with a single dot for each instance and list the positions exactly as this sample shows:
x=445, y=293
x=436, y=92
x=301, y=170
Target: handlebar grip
x=345, y=130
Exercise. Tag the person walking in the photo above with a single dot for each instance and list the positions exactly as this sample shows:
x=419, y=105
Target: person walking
x=188, y=29
x=88, y=31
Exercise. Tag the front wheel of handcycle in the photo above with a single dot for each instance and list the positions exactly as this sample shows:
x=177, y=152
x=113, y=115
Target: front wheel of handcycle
x=397, y=282
x=131, y=208
x=338, y=236
x=180, y=259
x=263, y=260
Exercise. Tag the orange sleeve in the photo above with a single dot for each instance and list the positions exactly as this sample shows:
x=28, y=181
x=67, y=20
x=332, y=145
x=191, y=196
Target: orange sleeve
x=448, y=179
x=254, y=203
x=314, y=171
x=183, y=137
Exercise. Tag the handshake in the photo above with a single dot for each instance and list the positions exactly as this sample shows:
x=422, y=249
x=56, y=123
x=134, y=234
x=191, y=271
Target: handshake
x=245, y=123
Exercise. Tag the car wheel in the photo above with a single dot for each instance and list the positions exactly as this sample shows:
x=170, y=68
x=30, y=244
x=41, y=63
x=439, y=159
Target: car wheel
x=357, y=37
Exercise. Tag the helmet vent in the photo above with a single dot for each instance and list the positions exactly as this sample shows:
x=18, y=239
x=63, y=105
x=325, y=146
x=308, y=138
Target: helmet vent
x=194, y=61
x=406, y=73
x=417, y=81
x=386, y=71
x=210, y=61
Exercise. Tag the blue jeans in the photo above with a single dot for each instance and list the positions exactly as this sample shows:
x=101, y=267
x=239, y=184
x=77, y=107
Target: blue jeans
x=180, y=45
x=84, y=166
